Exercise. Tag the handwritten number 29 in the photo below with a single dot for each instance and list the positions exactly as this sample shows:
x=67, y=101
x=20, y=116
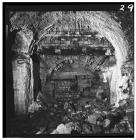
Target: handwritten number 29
x=130, y=7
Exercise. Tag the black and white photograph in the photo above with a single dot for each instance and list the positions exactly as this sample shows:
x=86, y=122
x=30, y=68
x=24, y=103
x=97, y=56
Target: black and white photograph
x=68, y=69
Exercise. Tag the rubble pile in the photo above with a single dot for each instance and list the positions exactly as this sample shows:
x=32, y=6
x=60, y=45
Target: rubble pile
x=85, y=116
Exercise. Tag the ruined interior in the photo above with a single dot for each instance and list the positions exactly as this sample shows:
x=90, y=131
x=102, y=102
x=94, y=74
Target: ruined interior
x=72, y=72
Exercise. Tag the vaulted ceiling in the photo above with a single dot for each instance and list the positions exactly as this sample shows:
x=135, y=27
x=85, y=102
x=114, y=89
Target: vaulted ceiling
x=67, y=29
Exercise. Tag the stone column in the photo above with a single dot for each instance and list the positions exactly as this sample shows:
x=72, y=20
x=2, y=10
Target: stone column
x=22, y=72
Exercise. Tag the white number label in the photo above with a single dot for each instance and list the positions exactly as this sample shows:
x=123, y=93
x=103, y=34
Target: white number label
x=130, y=7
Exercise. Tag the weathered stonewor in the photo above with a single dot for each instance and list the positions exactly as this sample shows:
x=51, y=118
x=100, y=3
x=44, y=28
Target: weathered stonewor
x=22, y=66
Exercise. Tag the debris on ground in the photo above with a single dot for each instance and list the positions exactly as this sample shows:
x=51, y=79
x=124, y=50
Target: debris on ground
x=88, y=117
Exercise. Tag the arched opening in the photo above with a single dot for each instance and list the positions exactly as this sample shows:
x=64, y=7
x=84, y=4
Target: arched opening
x=70, y=78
